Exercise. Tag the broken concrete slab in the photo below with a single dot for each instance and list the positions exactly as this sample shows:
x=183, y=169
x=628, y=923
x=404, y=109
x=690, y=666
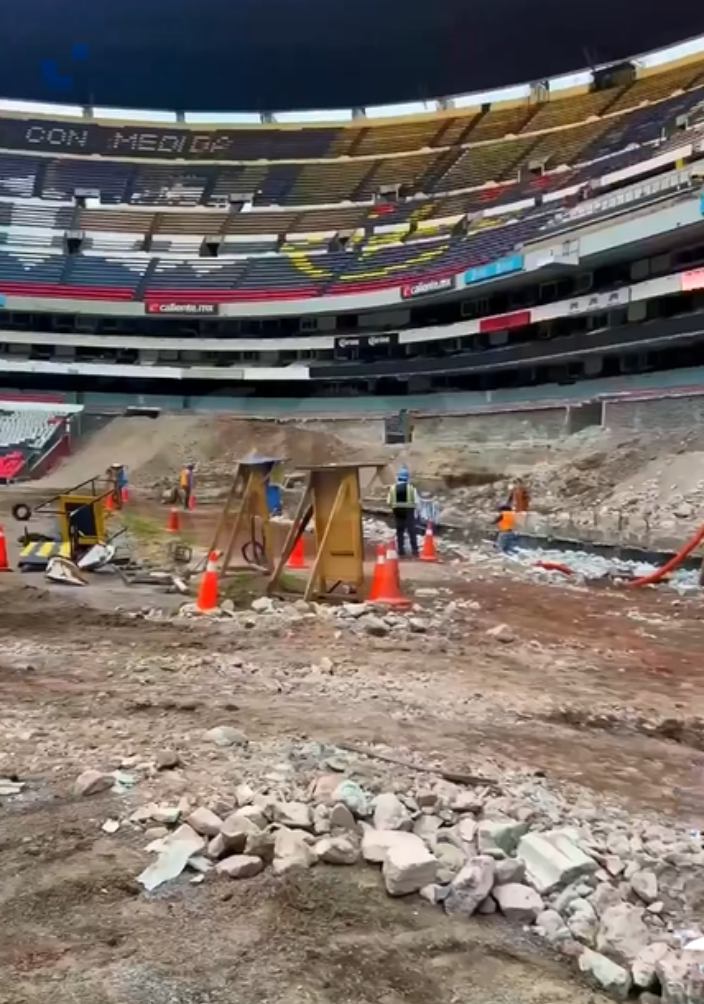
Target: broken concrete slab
x=295, y=815
x=553, y=859
x=518, y=902
x=408, y=865
x=175, y=850
x=375, y=843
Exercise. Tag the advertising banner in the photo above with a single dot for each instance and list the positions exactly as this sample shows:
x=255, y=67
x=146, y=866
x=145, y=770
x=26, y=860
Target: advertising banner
x=187, y=309
x=427, y=287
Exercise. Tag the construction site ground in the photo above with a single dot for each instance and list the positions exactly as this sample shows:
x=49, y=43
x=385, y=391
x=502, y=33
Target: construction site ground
x=596, y=690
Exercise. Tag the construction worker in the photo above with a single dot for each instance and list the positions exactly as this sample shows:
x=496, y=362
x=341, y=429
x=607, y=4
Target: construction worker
x=186, y=484
x=505, y=523
x=112, y=476
x=519, y=496
x=403, y=499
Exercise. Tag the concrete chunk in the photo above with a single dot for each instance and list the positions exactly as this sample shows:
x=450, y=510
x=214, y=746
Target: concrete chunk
x=609, y=975
x=390, y=813
x=375, y=843
x=552, y=859
x=205, y=822
x=240, y=866
x=518, y=902
x=470, y=886
x=408, y=865
x=499, y=834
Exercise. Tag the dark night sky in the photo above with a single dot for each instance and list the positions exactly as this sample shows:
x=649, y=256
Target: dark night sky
x=295, y=54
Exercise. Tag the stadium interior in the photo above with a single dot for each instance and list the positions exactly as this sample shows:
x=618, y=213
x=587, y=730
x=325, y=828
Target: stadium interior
x=347, y=258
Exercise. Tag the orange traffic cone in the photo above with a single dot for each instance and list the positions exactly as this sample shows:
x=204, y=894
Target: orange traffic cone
x=208, y=590
x=4, y=563
x=375, y=588
x=390, y=589
x=428, y=552
x=297, y=557
x=173, y=523
x=109, y=503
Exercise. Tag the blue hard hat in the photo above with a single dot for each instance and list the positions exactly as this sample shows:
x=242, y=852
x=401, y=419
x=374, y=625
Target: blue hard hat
x=403, y=475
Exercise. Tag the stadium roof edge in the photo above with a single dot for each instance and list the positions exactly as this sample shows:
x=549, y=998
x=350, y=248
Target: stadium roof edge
x=653, y=61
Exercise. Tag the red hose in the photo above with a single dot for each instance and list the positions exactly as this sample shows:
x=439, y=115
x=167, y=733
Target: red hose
x=661, y=572
x=554, y=566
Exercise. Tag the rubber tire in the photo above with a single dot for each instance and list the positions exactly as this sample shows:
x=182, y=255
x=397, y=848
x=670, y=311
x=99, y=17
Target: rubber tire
x=21, y=512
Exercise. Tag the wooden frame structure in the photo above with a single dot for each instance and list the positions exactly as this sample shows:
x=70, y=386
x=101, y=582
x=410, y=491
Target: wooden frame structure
x=244, y=520
x=332, y=499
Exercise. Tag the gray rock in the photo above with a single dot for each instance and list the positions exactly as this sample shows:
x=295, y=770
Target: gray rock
x=338, y=850
x=408, y=865
x=466, y=801
x=432, y=893
x=645, y=885
x=240, y=866
x=205, y=822
x=226, y=735
x=321, y=820
x=390, y=813
x=244, y=795
x=551, y=926
x=487, y=907
x=296, y=815
x=604, y=896
x=450, y=861
x=681, y=977
x=234, y=832
x=292, y=851
x=426, y=827
x=618, y=844
x=502, y=633
x=500, y=835
x=518, y=902
x=92, y=782
x=167, y=760
x=622, y=932
x=553, y=859
x=263, y=605
x=614, y=865
x=261, y=844
x=254, y=814
x=645, y=964
x=509, y=870
x=341, y=818
x=610, y=976
x=470, y=886
x=375, y=843
x=374, y=626
x=466, y=829
x=583, y=923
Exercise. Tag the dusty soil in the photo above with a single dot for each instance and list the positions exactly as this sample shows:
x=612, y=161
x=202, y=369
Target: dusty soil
x=83, y=687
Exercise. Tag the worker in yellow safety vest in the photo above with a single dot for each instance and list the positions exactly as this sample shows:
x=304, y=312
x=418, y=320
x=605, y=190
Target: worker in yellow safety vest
x=403, y=499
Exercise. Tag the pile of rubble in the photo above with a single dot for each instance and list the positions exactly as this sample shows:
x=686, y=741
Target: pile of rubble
x=619, y=897
x=364, y=618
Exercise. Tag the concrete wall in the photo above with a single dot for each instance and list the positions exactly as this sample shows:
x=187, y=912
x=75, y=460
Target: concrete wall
x=582, y=416
x=464, y=430
x=663, y=413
